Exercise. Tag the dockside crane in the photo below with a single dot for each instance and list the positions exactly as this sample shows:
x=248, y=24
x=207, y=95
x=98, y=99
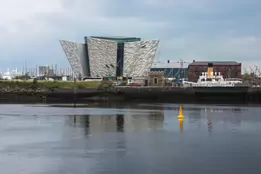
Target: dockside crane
x=258, y=70
x=252, y=71
x=245, y=71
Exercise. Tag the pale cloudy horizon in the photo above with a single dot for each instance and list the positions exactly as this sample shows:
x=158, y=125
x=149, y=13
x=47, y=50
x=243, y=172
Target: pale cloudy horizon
x=216, y=30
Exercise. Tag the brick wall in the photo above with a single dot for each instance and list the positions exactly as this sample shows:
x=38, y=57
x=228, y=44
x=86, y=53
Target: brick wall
x=228, y=71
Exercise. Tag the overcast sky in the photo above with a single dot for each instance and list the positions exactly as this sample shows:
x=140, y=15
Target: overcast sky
x=188, y=29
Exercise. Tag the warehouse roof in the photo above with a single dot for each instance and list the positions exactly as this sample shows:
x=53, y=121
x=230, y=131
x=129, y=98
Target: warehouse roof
x=215, y=63
x=114, y=37
x=117, y=38
x=164, y=65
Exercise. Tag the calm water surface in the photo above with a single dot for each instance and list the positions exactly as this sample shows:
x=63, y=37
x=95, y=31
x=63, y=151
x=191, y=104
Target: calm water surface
x=129, y=139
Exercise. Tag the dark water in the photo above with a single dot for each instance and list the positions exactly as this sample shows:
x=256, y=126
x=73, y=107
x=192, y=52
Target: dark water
x=129, y=139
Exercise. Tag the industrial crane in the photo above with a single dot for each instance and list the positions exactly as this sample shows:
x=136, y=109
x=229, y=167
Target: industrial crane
x=252, y=71
x=245, y=71
x=258, y=70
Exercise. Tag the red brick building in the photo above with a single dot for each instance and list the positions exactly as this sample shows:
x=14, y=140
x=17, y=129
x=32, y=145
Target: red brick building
x=229, y=69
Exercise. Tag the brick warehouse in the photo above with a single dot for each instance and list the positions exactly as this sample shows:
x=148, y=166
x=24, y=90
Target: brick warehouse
x=229, y=69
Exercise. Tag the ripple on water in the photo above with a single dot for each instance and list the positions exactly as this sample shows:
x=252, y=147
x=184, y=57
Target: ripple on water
x=129, y=138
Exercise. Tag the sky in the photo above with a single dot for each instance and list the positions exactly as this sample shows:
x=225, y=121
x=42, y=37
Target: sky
x=187, y=29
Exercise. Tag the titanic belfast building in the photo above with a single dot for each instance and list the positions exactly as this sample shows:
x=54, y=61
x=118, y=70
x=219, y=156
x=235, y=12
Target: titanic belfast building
x=110, y=56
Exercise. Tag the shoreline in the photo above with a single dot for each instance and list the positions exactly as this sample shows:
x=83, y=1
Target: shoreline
x=240, y=95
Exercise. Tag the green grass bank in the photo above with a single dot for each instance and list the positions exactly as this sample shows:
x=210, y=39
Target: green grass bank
x=40, y=86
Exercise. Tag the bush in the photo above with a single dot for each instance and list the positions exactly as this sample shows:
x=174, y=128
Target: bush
x=47, y=84
x=35, y=81
x=35, y=84
x=105, y=85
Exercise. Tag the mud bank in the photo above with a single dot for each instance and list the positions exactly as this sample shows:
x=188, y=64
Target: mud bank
x=240, y=95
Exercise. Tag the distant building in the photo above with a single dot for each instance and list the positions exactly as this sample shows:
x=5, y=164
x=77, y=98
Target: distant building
x=175, y=70
x=45, y=71
x=142, y=81
x=110, y=56
x=156, y=79
x=229, y=69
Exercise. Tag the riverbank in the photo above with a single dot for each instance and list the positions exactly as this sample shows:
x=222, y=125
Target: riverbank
x=18, y=86
x=82, y=92
x=60, y=96
x=239, y=95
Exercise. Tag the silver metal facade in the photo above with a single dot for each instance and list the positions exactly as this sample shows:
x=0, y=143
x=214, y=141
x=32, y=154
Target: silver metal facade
x=76, y=56
x=138, y=57
x=102, y=57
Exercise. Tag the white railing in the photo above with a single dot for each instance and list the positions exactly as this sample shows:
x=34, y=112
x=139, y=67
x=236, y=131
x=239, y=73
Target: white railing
x=212, y=85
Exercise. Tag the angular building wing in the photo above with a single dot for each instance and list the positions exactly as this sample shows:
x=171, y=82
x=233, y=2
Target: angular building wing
x=76, y=56
x=138, y=57
x=110, y=56
x=102, y=57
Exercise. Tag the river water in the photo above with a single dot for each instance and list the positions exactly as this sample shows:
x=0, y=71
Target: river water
x=129, y=139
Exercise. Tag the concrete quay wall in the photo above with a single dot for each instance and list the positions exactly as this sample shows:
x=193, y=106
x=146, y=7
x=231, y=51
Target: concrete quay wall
x=241, y=94
x=146, y=94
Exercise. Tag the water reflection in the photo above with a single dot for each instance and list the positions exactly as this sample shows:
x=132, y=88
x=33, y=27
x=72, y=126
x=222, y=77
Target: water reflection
x=74, y=120
x=87, y=124
x=181, y=125
x=129, y=139
x=120, y=122
x=209, y=125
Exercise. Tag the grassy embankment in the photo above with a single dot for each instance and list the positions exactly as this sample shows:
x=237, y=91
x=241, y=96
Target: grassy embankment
x=17, y=86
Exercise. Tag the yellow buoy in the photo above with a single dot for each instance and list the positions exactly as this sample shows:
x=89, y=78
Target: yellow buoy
x=181, y=119
x=181, y=116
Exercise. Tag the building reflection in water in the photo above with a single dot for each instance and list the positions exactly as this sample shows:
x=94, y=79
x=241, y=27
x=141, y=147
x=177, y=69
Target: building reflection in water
x=74, y=119
x=147, y=120
x=87, y=124
x=82, y=121
x=119, y=122
x=228, y=118
x=156, y=120
x=209, y=125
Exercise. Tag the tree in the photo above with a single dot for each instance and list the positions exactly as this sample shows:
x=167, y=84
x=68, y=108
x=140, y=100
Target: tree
x=23, y=77
x=247, y=76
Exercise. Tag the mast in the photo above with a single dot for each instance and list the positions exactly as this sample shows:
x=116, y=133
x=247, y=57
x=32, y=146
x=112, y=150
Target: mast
x=25, y=68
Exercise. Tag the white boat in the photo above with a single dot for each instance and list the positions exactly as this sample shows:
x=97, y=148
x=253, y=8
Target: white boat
x=212, y=79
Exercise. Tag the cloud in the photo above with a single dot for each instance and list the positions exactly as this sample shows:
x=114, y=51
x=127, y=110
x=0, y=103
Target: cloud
x=192, y=29
x=242, y=49
x=12, y=11
x=15, y=14
x=26, y=33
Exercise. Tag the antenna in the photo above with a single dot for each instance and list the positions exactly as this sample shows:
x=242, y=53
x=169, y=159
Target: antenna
x=36, y=71
x=25, y=67
x=56, y=69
